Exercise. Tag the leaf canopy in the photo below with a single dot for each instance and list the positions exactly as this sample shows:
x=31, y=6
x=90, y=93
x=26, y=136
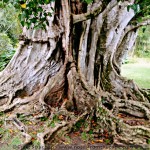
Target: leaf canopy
x=32, y=12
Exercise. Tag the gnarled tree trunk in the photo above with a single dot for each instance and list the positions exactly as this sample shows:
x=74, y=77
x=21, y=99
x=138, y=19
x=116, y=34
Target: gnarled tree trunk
x=73, y=69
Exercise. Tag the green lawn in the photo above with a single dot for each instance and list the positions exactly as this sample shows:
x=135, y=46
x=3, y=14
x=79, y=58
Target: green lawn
x=139, y=71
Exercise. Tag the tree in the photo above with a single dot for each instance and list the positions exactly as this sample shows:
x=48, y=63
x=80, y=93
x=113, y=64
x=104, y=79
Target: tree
x=6, y=50
x=142, y=43
x=71, y=69
x=10, y=29
x=9, y=22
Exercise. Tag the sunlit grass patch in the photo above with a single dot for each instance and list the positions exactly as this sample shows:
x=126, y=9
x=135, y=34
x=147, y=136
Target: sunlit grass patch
x=139, y=71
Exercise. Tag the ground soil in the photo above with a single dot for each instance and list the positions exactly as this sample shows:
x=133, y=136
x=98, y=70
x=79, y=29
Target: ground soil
x=74, y=140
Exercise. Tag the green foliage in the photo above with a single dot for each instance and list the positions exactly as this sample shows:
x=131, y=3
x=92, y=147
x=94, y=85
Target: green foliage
x=135, y=7
x=87, y=136
x=79, y=124
x=44, y=118
x=107, y=141
x=148, y=141
x=53, y=122
x=88, y=1
x=31, y=12
x=141, y=9
x=84, y=136
x=16, y=141
x=142, y=48
x=9, y=32
x=5, y=43
x=36, y=143
x=101, y=110
x=9, y=23
x=1, y=122
x=2, y=131
x=144, y=7
x=90, y=132
x=5, y=57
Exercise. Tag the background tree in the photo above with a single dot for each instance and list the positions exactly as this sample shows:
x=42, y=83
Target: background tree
x=6, y=50
x=142, y=45
x=9, y=22
x=71, y=68
x=9, y=33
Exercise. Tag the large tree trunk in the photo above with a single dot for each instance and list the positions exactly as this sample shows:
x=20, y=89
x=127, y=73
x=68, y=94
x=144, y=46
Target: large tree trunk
x=73, y=69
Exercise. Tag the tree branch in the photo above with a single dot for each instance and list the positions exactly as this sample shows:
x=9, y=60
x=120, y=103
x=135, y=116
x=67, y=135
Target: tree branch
x=144, y=23
x=93, y=12
x=133, y=27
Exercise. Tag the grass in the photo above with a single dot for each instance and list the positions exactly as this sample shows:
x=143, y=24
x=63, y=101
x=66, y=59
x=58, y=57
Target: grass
x=138, y=69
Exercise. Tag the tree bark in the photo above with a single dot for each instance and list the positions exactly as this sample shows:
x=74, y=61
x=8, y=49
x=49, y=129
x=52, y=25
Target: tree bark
x=73, y=69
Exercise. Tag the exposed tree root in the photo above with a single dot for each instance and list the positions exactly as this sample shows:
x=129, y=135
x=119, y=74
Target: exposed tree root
x=17, y=101
x=127, y=89
x=134, y=108
x=20, y=126
x=65, y=126
x=82, y=102
x=146, y=93
x=48, y=133
x=122, y=133
x=135, y=135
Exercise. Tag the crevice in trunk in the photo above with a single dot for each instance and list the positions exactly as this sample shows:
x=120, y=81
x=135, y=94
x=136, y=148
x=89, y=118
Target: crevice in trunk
x=76, y=39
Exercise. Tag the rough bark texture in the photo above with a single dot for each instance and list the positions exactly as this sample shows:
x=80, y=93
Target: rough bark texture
x=73, y=69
